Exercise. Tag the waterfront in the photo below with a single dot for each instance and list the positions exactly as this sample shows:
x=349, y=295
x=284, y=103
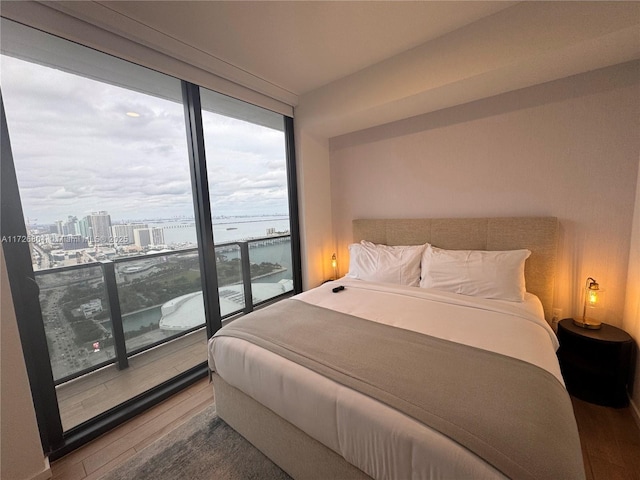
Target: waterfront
x=278, y=253
x=175, y=234
x=228, y=229
x=133, y=322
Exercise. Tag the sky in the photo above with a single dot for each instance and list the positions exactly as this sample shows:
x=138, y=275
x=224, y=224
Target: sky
x=76, y=151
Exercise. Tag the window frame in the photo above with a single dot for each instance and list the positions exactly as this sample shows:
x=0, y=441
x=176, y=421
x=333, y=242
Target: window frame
x=25, y=292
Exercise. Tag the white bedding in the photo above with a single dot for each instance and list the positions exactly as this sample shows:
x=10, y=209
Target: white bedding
x=377, y=439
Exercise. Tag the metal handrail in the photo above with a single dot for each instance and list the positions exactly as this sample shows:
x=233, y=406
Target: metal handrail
x=111, y=287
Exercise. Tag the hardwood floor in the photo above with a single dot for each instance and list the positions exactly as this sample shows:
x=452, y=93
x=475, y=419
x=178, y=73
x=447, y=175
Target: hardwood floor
x=89, y=395
x=610, y=438
x=113, y=448
x=610, y=441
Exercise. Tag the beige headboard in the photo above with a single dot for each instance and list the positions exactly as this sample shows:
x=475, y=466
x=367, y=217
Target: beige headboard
x=538, y=234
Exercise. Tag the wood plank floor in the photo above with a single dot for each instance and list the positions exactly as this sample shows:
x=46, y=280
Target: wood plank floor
x=105, y=453
x=94, y=393
x=610, y=441
x=610, y=438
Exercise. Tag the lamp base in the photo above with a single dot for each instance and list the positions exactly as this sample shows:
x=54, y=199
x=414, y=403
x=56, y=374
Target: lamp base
x=588, y=323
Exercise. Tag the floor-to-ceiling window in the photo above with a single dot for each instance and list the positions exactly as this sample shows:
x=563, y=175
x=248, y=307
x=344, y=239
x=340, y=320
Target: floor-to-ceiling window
x=103, y=173
x=246, y=169
x=112, y=222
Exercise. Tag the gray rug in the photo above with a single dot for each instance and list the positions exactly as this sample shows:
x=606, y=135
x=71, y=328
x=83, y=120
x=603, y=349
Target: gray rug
x=203, y=448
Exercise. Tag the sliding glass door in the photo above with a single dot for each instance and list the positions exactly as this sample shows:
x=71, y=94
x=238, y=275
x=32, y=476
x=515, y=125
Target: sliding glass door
x=138, y=245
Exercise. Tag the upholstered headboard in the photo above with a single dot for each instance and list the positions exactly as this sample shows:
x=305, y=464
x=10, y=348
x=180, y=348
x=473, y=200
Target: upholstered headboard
x=538, y=234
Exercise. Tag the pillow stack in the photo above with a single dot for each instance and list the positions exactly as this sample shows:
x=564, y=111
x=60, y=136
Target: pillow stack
x=382, y=263
x=478, y=273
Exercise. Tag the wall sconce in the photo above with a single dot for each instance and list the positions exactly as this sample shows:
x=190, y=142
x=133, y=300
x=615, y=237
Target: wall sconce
x=592, y=300
x=334, y=265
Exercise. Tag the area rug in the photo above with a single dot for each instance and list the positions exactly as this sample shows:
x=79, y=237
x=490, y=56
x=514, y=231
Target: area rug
x=203, y=448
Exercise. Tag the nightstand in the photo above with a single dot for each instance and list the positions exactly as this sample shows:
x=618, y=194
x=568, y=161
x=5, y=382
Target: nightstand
x=596, y=364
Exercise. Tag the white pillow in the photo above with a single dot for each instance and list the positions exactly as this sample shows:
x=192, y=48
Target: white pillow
x=486, y=274
x=382, y=263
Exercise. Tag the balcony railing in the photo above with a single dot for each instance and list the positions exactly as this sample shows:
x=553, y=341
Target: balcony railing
x=102, y=313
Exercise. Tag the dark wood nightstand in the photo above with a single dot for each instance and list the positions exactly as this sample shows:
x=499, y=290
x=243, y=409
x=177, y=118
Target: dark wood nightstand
x=596, y=364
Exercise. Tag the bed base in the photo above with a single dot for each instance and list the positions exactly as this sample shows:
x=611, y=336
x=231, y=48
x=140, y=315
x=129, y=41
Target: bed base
x=287, y=446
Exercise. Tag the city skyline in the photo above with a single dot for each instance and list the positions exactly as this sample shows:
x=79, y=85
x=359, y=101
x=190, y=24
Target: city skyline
x=36, y=223
x=98, y=228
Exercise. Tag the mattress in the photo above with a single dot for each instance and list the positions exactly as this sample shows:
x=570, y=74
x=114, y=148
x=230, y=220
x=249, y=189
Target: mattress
x=379, y=440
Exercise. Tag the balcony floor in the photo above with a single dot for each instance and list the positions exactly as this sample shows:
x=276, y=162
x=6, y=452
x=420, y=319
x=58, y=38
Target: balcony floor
x=87, y=396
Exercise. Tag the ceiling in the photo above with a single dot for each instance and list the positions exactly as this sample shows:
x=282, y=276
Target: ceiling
x=300, y=46
x=351, y=65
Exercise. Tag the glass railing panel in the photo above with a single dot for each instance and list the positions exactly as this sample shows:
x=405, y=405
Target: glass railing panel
x=160, y=297
x=77, y=320
x=271, y=272
x=230, y=286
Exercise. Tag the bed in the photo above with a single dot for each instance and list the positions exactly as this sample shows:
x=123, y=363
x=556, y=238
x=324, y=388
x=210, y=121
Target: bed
x=404, y=375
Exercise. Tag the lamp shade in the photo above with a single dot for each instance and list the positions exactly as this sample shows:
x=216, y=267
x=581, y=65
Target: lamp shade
x=592, y=303
x=334, y=265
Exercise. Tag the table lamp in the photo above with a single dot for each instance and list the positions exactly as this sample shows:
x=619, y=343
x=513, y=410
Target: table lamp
x=592, y=300
x=334, y=265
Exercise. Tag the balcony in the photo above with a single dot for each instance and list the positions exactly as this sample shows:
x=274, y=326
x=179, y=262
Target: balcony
x=118, y=327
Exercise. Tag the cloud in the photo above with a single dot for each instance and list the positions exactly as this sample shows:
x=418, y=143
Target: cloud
x=76, y=151
x=62, y=193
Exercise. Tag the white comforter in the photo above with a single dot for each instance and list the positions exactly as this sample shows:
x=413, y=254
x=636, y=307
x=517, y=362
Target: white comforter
x=377, y=439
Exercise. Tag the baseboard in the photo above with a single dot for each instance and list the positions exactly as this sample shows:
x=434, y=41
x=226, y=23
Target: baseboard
x=44, y=474
x=635, y=411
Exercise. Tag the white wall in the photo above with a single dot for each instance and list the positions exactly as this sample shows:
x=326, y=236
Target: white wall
x=567, y=148
x=21, y=455
x=632, y=305
x=314, y=202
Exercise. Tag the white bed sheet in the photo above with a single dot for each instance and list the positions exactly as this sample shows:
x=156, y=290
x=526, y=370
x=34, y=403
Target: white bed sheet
x=379, y=440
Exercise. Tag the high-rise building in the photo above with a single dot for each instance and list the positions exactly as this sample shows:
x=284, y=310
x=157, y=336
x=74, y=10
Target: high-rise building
x=71, y=226
x=123, y=234
x=142, y=237
x=74, y=242
x=157, y=235
x=145, y=237
x=84, y=227
x=100, y=227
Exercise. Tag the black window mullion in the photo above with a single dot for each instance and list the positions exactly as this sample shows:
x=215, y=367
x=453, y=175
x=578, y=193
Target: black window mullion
x=294, y=220
x=202, y=207
x=25, y=294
